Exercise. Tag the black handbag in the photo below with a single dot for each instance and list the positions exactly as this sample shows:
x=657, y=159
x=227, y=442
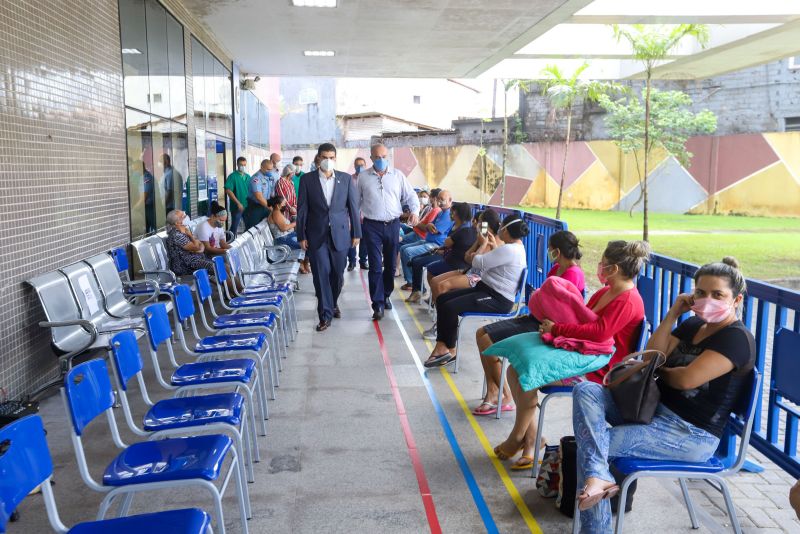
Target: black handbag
x=633, y=386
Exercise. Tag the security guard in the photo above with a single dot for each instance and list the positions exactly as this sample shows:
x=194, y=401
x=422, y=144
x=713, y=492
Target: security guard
x=258, y=191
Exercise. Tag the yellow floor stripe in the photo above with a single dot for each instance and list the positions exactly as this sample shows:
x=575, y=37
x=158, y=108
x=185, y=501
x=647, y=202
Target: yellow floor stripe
x=524, y=511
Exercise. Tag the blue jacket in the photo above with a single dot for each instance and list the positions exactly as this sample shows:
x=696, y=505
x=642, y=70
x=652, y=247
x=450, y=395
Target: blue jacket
x=315, y=218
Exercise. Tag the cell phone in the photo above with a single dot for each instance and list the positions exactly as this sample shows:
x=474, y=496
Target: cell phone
x=484, y=228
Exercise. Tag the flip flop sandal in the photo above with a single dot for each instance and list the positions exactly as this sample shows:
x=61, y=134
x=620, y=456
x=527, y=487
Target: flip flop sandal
x=502, y=455
x=516, y=466
x=590, y=501
x=508, y=408
x=438, y=361
x=492, y=409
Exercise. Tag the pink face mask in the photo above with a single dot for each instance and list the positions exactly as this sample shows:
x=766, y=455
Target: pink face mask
x=711, y=310
x=601, y=273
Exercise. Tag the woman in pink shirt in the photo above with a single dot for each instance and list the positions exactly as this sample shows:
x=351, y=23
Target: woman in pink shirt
x=565, y=253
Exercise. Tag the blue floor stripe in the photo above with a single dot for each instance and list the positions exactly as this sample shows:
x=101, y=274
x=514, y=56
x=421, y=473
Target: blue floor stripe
x=477, y=496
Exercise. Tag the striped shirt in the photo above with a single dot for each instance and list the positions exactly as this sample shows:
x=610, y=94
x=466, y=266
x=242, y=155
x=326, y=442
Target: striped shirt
x=285, y=188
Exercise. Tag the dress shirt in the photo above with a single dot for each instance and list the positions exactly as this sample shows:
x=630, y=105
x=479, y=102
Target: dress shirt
x=327, y=185
x=383, y=197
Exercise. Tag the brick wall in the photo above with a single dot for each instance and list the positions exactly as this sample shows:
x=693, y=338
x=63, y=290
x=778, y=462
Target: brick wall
x=63, y=173
x=750, y=100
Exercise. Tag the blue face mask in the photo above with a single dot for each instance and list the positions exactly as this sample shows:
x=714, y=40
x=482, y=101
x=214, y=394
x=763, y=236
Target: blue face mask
x=359, y=168
x=272, y=174
x=380, y=164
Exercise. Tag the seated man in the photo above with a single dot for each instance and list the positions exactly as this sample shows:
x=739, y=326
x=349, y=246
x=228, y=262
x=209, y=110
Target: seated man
x=435, y=233
x=451, y=256
x=211, y=232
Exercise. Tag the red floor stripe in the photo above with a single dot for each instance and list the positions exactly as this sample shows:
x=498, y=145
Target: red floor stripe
x=413, y=453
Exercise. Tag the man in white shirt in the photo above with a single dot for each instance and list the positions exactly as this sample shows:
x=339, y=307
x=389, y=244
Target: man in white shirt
x=383, y=192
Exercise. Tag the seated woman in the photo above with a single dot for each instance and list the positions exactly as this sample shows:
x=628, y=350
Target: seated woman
x=211, y=232
x=451, y=256
x=619, y=310
x=283, y=231
x=709, y=358
x=469, y=277
x=564, y=251
x=185, y=253
x=501, y=261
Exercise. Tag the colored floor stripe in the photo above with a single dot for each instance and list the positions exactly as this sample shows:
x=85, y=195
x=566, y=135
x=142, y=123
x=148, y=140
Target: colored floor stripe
x=413, y=453
x=472, y=484
x=512, y=490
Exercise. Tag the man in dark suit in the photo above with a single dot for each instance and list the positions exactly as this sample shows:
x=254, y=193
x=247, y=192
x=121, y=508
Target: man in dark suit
x=328, y=224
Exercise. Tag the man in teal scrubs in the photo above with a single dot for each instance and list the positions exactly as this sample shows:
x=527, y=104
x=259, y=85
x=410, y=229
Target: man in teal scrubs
x=297, y=161
x=237, y=186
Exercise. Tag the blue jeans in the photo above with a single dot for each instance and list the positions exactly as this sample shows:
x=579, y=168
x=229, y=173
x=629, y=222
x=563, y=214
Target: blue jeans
x=290, y=240
x=409, y=238
x=410, y=251
x=667, y=437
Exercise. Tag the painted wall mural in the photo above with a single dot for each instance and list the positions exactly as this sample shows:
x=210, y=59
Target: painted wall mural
x=753, y=174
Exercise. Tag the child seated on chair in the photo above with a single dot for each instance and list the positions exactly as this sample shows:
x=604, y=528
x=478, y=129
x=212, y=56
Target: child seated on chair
x=709, y=359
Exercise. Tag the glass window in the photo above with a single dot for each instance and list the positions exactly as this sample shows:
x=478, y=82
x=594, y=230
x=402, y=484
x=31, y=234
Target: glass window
x=133, y=38
x=157, y=58
x=198, y=86
x=140, y=176
x=177, y=72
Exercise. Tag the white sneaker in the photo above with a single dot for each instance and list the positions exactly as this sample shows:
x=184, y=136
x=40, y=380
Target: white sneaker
x=430, y=333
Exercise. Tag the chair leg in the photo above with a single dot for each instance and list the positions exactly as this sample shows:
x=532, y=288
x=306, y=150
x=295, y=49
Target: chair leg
x=125, y=508
x=244, y=500
x=220, y=515
x=503, y=362
x=689, y=503
x=538, y=441
x=458, y=344
x=737, y=528
x=623, y=498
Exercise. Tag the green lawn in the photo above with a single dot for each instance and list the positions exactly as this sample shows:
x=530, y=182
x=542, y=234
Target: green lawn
x=767, y=248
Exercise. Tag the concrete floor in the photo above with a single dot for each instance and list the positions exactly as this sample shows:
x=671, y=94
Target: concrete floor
x=336, y=458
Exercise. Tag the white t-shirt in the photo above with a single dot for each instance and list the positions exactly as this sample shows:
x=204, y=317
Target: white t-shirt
x=214, y=236
x=501, y=268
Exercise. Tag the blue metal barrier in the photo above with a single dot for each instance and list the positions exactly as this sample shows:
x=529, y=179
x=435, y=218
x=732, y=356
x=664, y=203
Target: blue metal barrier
x=767, y=310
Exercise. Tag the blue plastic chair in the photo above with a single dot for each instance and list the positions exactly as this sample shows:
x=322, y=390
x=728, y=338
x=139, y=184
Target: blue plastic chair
x=238, y=374
x=515, y=311
x=222, y=413
x=225, y=345
x=190, y=462
x=25, y=463
x=714, y=471
x=234, y=322
x=271, y=303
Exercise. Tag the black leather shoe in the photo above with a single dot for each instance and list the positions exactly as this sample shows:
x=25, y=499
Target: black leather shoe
x=351, y=267
x=323, y=325
x=363, y=266
x=337, y=313
x=387, y=303
x=377, y=315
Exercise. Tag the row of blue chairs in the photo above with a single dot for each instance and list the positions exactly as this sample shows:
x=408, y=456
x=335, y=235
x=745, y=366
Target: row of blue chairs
x=178, y=451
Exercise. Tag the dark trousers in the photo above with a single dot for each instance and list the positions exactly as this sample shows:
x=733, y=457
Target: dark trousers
x=417, y=263
x=382, y=240
x=236, y=217
x=327, y=269
x=480, y=298
x=362, y=253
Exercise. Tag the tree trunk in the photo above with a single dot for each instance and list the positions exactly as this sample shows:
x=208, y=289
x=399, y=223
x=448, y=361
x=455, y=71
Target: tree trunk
x=645, y=225
x=564, y=164
x=505, y=146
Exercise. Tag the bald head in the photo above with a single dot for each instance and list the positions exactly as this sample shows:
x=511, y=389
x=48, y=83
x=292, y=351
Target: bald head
x=444, y=199
x=276, y=159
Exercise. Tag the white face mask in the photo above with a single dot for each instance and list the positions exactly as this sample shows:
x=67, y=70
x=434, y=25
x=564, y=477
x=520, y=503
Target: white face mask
x=185, y=221
x=423, y=201
x=327, y=165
